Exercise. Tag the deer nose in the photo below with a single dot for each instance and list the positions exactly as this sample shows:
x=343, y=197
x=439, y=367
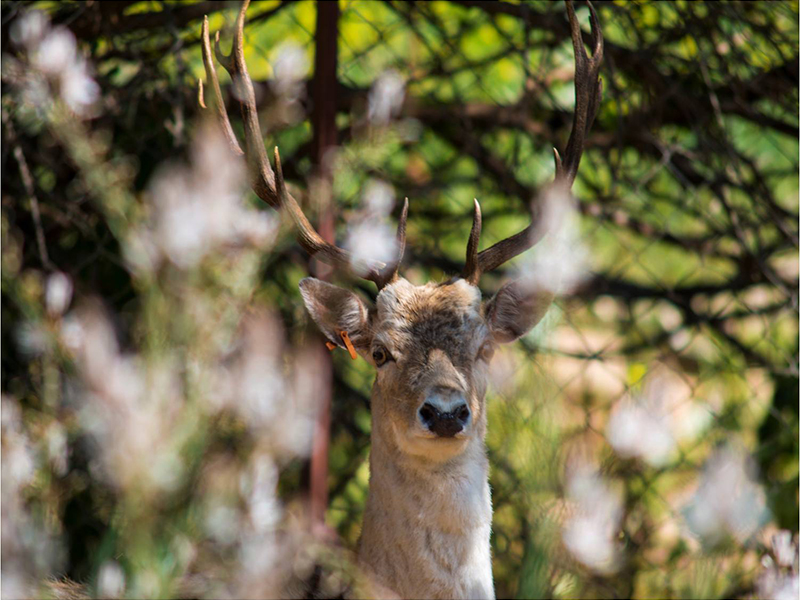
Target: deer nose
x=444, y=423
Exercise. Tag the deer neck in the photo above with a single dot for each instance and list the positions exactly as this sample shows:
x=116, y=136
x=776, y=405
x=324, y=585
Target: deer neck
x=427, y=523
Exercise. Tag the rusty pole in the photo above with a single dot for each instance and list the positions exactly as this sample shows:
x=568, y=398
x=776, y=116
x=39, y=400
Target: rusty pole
x=323, y=121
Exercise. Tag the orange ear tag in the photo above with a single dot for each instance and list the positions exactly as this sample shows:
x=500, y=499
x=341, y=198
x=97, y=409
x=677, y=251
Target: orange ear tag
x=348, y=344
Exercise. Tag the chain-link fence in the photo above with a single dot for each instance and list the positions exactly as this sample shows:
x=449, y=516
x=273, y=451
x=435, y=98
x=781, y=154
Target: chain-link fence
x=643, y=438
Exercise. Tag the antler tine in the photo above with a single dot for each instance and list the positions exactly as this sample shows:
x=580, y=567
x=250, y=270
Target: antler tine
x=588, y=91
x=224, y=59
x=219, y=104
x=472, y=271
x=265, y=183
x=389, y=273
x=262, y=177
x=312, y=242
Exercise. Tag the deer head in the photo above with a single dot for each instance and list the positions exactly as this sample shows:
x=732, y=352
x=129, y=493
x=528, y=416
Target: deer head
x=430, y=344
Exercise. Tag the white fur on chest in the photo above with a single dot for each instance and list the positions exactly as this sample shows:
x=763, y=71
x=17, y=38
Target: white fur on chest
x=429, y=538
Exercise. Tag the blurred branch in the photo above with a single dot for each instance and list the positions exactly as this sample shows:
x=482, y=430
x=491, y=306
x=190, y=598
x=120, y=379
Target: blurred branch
x=27, y=181
x=109, y=18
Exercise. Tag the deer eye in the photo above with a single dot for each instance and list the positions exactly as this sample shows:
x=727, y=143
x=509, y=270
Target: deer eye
x=486, y=352
x=380, y=355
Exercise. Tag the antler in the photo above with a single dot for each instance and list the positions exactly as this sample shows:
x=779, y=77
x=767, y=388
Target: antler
x=265, y=184
x=472, y=270
x=588, y=91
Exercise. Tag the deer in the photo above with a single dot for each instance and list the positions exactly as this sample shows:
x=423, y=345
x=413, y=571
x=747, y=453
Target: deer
x=428, y=517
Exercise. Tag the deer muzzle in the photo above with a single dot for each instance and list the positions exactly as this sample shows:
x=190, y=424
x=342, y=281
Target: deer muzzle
x=444, y=416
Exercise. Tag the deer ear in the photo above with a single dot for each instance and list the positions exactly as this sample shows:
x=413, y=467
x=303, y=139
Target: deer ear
x=335, y=310
x=515, y=309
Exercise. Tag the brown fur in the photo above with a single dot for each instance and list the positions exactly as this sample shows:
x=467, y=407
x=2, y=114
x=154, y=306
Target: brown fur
x=65, y=589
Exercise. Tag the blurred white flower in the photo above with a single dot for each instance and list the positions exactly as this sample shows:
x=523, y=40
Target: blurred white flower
x=779, y=578
x=15, y=583
x=780, y=587
x=110, y=580
x=29, y=29
x=290, y=68
x=129, y=407
x=649, y=424
x=10, y=416
x=35, y=92
x=638, y=429
x=18, y=455
x=72, y=333
x=258, y=556
x=89, y=334
x=267, y=544
x=728, y=499
x=31, y=338
x=79, y=91
x=253, y=385
x=309, y=383
x=200, y=208
x=368, y=237
x=371, y=240
x=222, y=523
x=257, y=228
x=559, y=262
x=58, y=294
x=680, y=339
x=591, y=533
x=378, y=197
x=183, y=219
x=775, y=583
x=167, y=470
x=141, y=252
x=54, y=57
x=184, y=549
x=690, y=419
x=28, y=550
x=260, y=487
x=784, y=549
x=261, y=389
x=57, y=450
x=18, y=464
x=260, y=393
x=386, y=97
x=56, y=53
